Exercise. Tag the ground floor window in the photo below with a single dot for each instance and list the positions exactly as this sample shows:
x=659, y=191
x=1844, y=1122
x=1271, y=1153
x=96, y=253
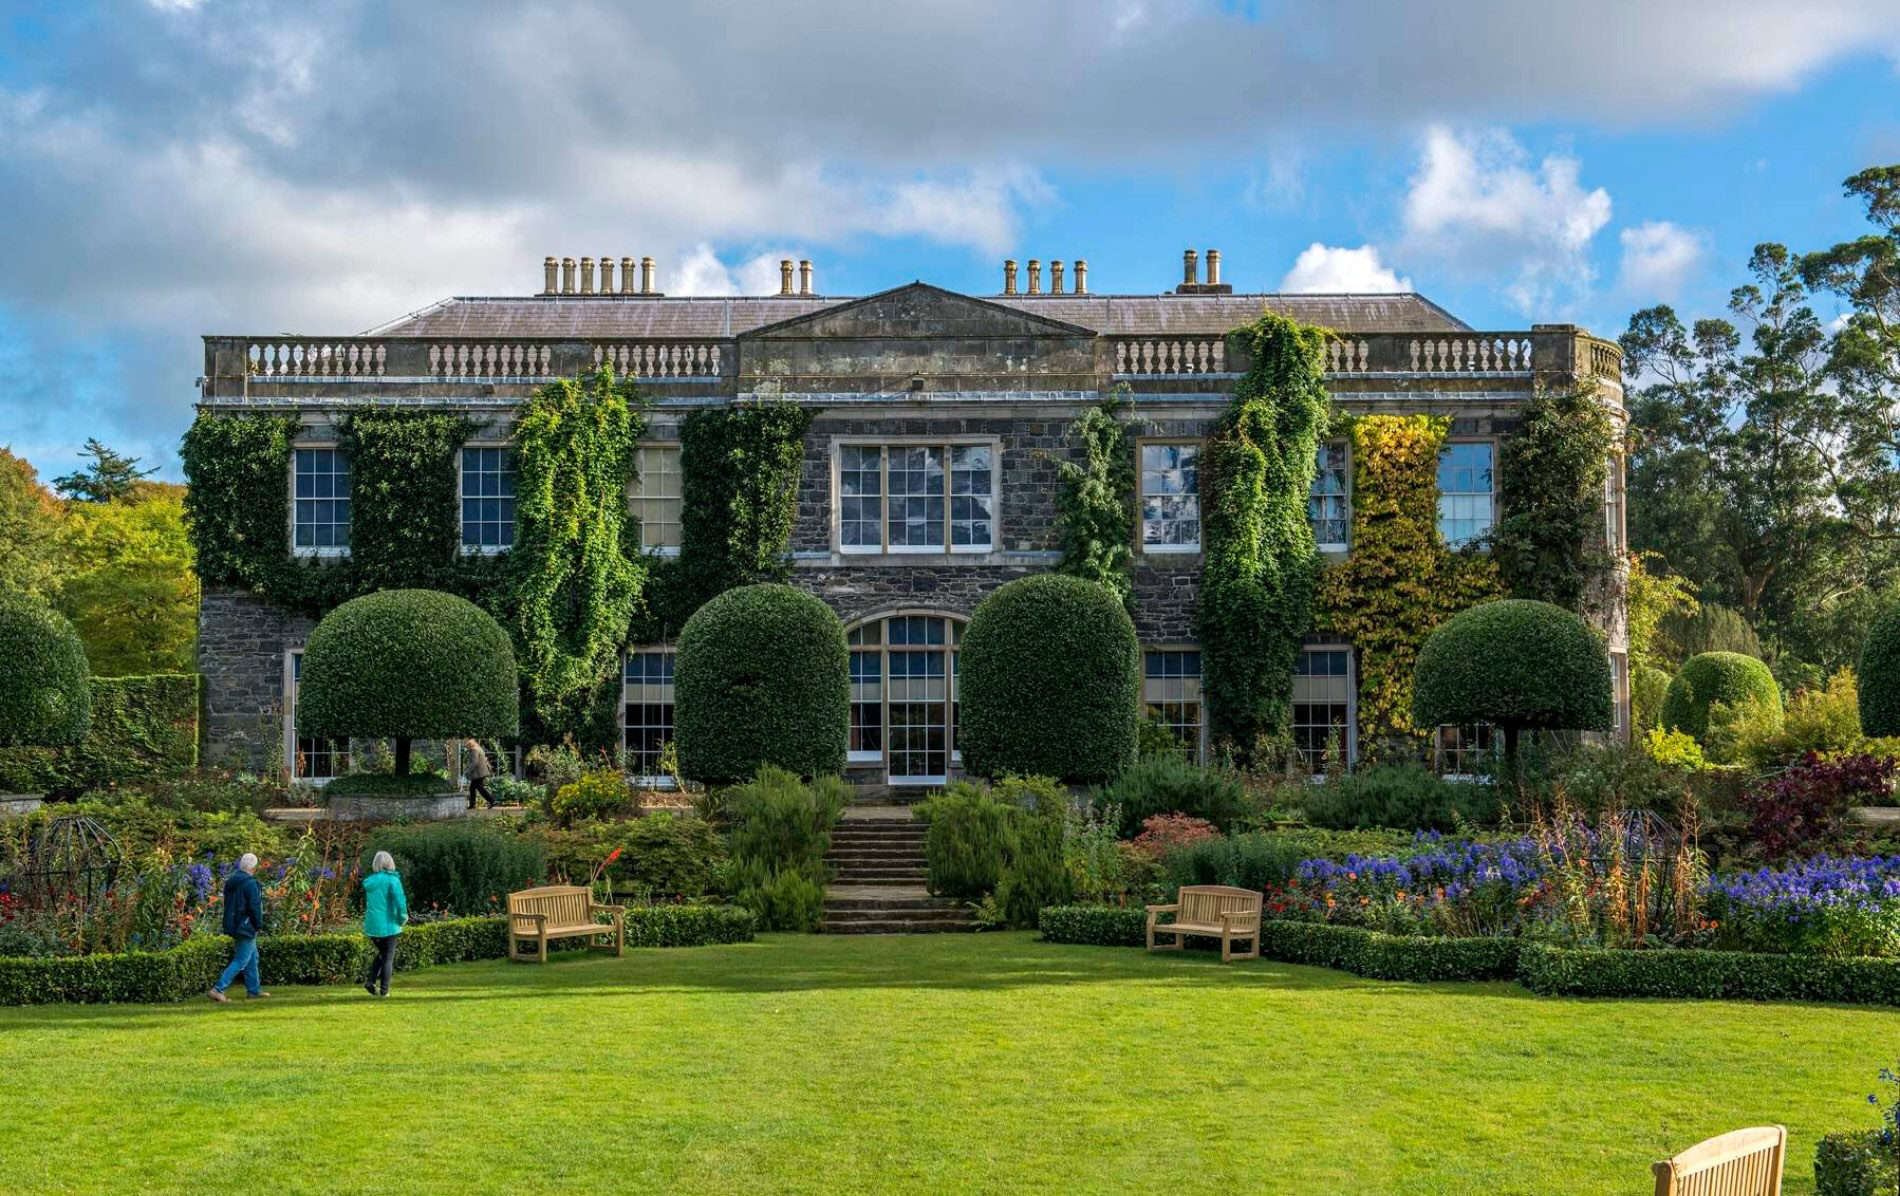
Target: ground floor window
x=1171, y=694
x=1619, y=697
x=904, y=696
x=646, y=694
x=1465, y=751
x=1323, y=706
x=308, y=758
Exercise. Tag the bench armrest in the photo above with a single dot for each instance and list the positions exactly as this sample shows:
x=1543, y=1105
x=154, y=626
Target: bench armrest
x=1165, y=909
x=1230, y=921
x=609, y=909
x=540, y=920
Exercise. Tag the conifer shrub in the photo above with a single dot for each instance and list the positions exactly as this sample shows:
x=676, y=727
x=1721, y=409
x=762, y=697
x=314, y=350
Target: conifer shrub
x=1879, y=676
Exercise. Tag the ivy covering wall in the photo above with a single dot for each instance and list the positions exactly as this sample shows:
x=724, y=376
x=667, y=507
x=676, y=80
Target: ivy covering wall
x=1401, y=580
x=1553, y=472
x=1259, y=560
x=1096, y=508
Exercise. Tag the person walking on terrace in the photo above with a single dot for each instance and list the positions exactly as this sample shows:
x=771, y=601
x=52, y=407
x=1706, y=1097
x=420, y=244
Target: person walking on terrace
x=385, y=909
x=479, y=770
x=243, y=921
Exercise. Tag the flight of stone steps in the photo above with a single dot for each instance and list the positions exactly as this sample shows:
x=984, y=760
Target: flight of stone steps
x=878, y=884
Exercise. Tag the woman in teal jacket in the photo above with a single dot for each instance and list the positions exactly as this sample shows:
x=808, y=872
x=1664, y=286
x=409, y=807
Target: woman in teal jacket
x=385, y=909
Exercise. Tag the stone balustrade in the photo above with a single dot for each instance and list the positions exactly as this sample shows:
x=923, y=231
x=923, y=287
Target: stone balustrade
x=660, y=359
x=1486, y=354
x=300, y=357
x=1162, y=357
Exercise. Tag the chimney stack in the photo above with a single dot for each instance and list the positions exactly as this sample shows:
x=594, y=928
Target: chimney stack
x=1035, y=276
x=626, y=276
x=587, y=276
x=1213, y=267
x=552, y=269
x=1190, y=280
x=1009, y=276
x=1190, y=269
x=567, y=276
x=646, y=276
x=804, y=276
x=1055, y=278
x=1081, y=276
x=606, y=275
x=785, y=276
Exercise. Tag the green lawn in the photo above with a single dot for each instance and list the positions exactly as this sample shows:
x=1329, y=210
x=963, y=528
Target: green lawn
x=978, y=1064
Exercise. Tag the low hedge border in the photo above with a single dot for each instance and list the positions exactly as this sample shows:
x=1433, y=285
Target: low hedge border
x=154, y=977
x=1094, y=925
x=1853, y=1164
x=1730, y=975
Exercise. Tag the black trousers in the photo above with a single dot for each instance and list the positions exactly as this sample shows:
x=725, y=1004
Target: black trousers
x=383, y=967
x=478, y=787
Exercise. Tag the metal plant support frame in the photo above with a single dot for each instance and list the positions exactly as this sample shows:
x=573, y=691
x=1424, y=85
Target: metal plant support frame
x=74, y=856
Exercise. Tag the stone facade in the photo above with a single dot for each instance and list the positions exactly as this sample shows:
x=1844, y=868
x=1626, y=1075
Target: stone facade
x=914, y=365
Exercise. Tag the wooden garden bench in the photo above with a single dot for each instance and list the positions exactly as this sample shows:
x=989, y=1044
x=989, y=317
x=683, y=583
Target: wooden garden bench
x=1738, y=1163
x=536, y=916
x=1211, y=911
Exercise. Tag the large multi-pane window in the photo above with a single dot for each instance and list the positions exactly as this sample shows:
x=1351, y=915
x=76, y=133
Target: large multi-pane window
x=1613, y=526
x=647, y=696
x=1323, y=706
x=311, y=759
x=1464, y=492
x=903, y=696
x=1170, y=497
x=655, y=496
x=1171, y=693
x=1465, y=750
x=1327, y=502
x=320, y=510
x=488, y=499
x=917, y=498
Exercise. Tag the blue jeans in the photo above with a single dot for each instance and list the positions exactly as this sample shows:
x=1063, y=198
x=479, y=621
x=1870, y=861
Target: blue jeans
x=243, y=959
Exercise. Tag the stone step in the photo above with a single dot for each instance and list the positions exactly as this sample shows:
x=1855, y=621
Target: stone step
x=848, y=917
x=841, y=898
x=894, y=834
x=880, y=876
x=868, y=854
x=899, y=926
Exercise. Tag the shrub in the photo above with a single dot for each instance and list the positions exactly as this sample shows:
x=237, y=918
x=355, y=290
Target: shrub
x=1035, y=873
x=1707, y=975
x=1725, y=677
x=45, y=698
x=1803, y=810
x=1162, y=834
x=1674, y=749
x=1169, y=785
x=1855, y=1164
x=1401, y=797
x=1049, y=682
x=1253, y=861
x=762, y=677
x=597, y=793
x=1516, y=664
x=406, y=665
x=967, y=842
x=384, y=784
x=662, y=855
x=1708, y=627
x=1647, y=687
x=1094, y=925
x=461, y=867
x=141, y=727
x=1879, y=673
x=1378, y=956
x=781, y=834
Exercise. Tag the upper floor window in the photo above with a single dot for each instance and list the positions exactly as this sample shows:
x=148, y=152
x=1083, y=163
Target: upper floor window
x=1464, y=492
x=917, y=498
x=1170, y=497
x=320, y=514
x=488, y=499
x=1613, y=527
x=655, y=498
x=1327, y=504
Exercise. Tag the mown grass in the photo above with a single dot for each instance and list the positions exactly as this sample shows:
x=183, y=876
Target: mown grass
x=966, y=1064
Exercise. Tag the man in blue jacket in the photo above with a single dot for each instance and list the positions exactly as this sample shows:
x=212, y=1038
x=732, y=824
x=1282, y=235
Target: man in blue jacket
x=243, y=921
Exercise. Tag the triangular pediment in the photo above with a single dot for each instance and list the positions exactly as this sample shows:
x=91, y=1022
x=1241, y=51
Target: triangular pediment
x=916, y=310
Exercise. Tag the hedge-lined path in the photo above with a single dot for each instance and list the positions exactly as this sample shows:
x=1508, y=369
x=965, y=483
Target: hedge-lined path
x=878, y=867
x=987, y=1063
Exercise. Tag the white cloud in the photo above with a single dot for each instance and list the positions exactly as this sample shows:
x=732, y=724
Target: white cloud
x=1658, y=258
x=1479, y=205
x=1328, y=269
x=702, y=272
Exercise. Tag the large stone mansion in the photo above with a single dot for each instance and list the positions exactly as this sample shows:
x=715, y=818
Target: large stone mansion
x=930, y=473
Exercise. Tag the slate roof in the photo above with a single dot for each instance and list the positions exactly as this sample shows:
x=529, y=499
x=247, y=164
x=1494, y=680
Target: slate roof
x=564, y=316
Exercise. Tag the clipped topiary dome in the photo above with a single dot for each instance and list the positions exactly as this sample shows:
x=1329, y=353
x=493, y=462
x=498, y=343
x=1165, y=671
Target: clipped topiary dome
x=1049, y=682
x=405, y=665
x=1880, y=676
x=761, y=676
x=45, y=682
x=1516, y=664
x=1727, y=677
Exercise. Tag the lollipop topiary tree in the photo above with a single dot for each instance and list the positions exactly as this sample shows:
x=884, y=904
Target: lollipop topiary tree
x=45, y=683
x=404, y=665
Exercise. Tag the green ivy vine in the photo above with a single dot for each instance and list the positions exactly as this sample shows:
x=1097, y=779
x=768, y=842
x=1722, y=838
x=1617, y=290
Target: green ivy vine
x=405, y=509
x=1096, y=514
x=1259, y=560
x=1553, y=471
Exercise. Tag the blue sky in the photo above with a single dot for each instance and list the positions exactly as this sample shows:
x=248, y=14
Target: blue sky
x=170, y=168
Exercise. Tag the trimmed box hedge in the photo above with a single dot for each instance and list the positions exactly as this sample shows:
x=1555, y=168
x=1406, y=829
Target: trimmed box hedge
x=1726, y=975
x=1378, y=956
x=141, y=727
x=1853, y=1164
x=1094, y=925
x=153, y=977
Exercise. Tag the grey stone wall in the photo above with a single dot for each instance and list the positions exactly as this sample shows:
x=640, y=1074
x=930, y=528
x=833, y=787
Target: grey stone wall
x=241, y=644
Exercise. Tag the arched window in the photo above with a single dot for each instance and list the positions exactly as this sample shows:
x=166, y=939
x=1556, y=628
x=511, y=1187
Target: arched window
x=904, y=695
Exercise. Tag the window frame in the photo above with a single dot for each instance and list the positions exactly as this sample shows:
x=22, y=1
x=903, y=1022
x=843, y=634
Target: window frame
x=884, y=445
x=1200, y=701
x=1344, y=547
x=645, y=780
x=954, y=626
x=1438, y=521
x=292, y=685
x=290, y=515
x=1352, y=699
x=662, y=550
x=462, y=546
x=1142, y=547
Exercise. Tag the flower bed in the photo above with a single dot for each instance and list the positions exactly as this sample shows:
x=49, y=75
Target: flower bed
x=1824, y=906
x=1853, y=1164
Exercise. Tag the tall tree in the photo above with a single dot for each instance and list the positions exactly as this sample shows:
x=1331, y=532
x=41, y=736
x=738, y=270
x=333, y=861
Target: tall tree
x=130, y=588
x=30, y=519
x=112, y=477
